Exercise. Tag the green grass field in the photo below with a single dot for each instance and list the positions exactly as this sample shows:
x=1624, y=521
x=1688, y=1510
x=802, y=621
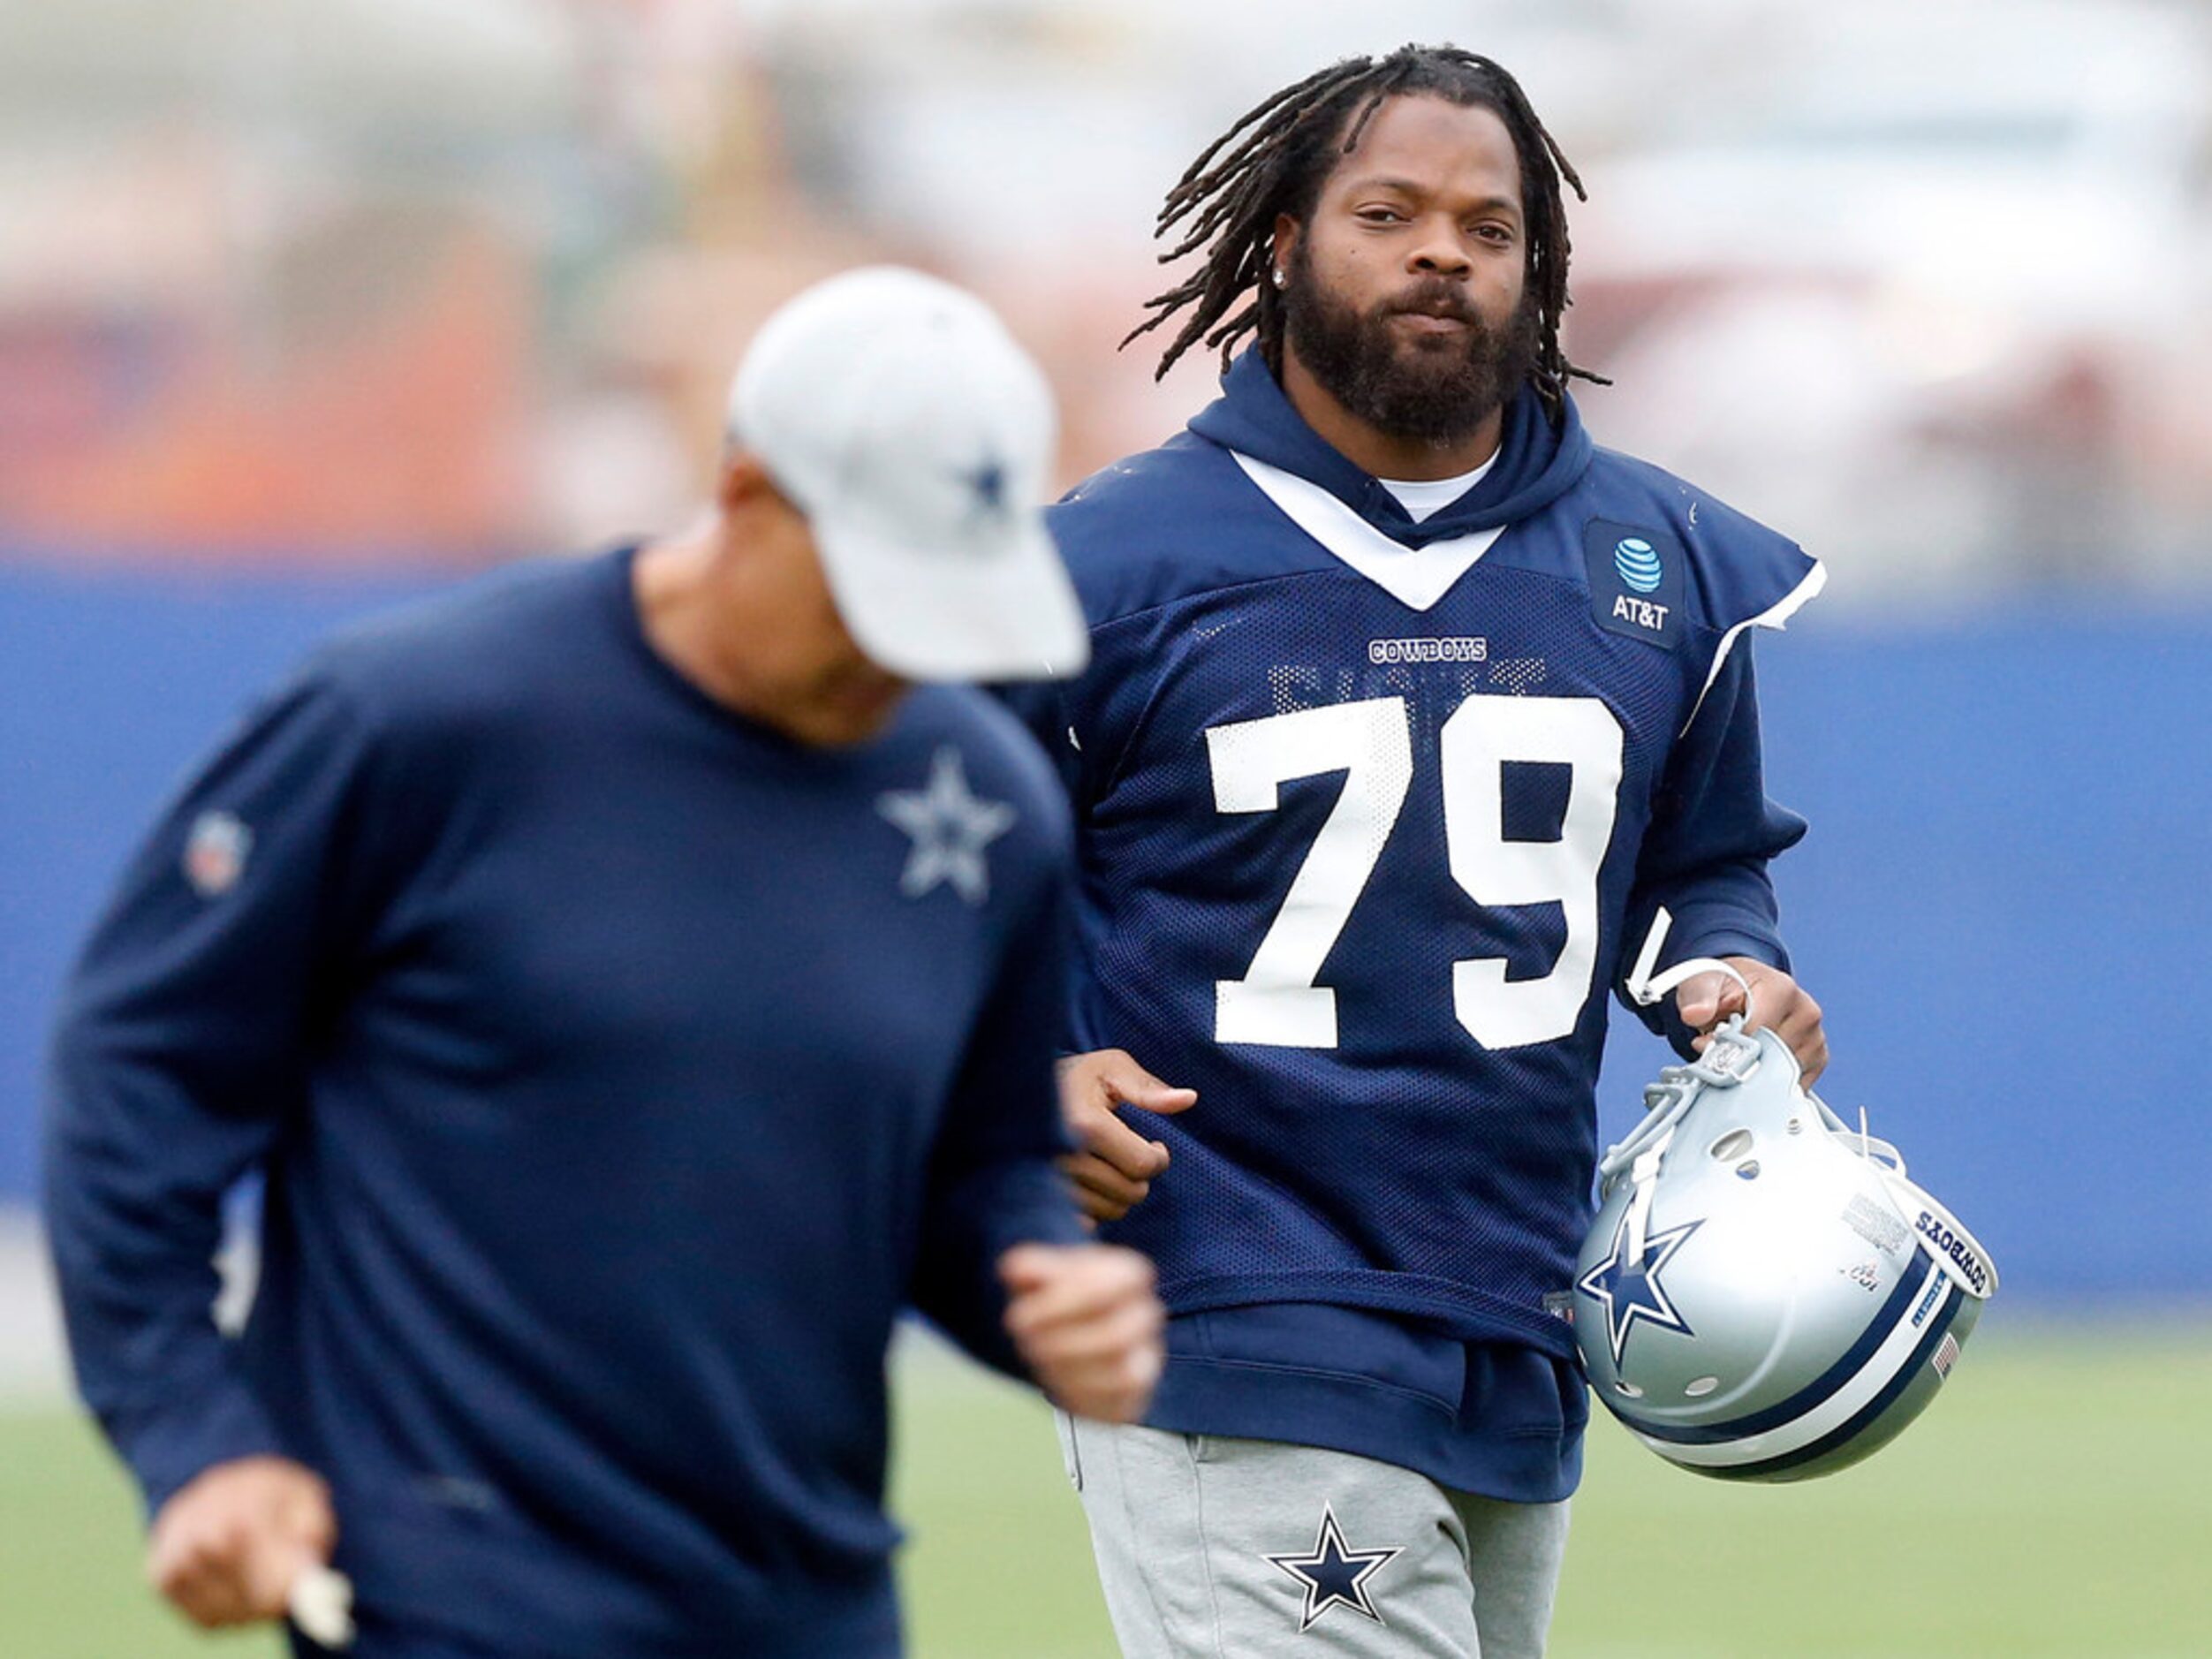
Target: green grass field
x=2056, y=1501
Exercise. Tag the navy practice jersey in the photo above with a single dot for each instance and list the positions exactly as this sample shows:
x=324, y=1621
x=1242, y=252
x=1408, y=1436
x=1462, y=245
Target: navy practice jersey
x=1372, y=814
x=618, y=1067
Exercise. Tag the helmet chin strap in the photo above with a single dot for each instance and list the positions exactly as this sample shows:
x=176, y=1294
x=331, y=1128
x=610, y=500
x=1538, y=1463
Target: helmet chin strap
x=1644, y=1150
x=1648, y=988
x=1644, y=1175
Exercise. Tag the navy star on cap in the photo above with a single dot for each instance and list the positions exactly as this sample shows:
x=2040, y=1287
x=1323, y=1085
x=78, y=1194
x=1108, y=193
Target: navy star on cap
x=988, y=481
x=1334, y=1575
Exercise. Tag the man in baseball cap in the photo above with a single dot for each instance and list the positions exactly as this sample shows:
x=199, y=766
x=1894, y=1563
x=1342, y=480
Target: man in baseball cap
x=635, y=989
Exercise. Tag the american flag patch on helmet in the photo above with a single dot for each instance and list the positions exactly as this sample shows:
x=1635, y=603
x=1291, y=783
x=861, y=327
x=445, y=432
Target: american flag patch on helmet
x=1946, y=1355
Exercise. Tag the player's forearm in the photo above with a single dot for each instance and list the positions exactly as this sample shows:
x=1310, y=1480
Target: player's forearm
x=1727, y=909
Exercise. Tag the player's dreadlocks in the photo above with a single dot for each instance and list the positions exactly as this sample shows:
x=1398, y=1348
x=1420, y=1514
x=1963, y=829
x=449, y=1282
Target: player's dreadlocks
x=1277, y=156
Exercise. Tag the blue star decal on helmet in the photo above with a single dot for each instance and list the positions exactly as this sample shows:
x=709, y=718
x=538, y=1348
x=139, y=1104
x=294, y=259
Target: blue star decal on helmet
x=1333, y=1575
x=1629, y=1290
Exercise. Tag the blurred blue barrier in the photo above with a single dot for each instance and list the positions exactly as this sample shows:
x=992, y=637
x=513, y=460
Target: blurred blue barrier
x=2002, y=902
x=111, y=685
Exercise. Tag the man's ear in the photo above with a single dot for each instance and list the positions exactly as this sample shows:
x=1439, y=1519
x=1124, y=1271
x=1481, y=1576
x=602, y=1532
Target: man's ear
x=1284, y=246
x=742, y=481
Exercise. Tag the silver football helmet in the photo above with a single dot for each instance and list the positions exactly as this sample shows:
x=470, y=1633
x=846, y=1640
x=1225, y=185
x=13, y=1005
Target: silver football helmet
x=1764, y=1295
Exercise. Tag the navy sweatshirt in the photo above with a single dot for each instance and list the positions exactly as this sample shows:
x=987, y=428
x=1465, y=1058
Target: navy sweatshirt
x=618, y=1068
x=1371, y=815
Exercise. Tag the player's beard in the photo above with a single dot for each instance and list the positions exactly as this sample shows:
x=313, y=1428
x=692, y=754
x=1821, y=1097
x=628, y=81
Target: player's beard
x=1438, y=390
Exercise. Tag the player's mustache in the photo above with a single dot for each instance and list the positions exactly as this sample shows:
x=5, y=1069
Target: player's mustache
x=1437, y=299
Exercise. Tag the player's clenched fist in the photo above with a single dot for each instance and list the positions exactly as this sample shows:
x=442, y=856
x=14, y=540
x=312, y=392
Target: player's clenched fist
x=1113, y=1166
x=1086, y=1322
x=226, y=1548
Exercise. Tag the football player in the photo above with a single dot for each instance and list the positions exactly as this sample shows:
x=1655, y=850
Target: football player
x=633, y=988
x=1408, y=708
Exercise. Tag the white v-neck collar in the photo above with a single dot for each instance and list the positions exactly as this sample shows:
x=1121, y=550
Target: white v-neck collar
x=1417, y=578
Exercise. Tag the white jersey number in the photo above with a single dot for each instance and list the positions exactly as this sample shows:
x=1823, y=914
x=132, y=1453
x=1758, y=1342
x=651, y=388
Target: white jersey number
x=1277, y=1001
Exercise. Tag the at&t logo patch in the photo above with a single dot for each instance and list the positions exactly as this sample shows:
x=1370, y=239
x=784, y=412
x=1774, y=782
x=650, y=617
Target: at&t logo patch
x=1636, y=580
x=1638, y=562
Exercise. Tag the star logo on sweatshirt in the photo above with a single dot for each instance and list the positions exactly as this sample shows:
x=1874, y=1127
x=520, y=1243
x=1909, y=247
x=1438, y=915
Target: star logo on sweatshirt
x=1333, y=1574
x=950, y=827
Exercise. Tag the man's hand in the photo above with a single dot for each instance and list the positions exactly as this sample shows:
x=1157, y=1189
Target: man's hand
x=1114, y=1166
x=1777, y=1001
x=1086, y=1324
x=226, y=1546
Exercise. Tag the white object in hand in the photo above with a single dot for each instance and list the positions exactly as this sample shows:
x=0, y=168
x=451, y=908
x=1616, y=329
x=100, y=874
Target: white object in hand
x=321, y=1605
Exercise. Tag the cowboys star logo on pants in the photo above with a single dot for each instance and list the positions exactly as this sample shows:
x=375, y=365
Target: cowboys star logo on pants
x=1334, y=1574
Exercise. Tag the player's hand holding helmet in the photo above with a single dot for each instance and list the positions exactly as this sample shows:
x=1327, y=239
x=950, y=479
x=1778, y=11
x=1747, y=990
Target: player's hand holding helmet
x=1764, y=1295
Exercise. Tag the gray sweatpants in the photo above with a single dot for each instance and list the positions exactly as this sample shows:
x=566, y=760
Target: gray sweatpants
x=1227, y=1548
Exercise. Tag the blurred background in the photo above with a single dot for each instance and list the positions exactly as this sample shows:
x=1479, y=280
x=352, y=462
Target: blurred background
x=305, y=307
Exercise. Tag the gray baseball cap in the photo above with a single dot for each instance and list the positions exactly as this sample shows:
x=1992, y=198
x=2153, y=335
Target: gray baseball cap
x=896, y=413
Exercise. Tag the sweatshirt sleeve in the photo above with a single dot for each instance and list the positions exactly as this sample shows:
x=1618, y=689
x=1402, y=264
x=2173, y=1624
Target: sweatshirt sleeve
x=1705, y=856
x=992, y=1179
x=179, y=1058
